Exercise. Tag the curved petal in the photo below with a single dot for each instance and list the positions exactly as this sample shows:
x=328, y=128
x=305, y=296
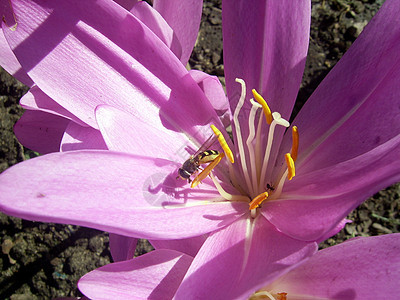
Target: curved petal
x=266, y=45
x=152, y=19
x=40, y=131
x=212, y=88
x=35, y=99
x=334, y=231
x=155, y=275
x=186, y=26
x=315, y=203
x=188, y=246
x=125, y=132
x=356, y=107
x=127, y=4
x=77, y=137
x=361, y=268
x=236, y=261
x=98, y=52
x=125, y=194
x=10, y=63
x=122, y=247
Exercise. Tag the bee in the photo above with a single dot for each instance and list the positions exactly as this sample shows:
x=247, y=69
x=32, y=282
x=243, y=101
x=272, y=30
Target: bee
x=202, y=156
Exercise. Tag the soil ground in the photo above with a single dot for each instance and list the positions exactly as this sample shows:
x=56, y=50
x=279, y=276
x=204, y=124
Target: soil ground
x=44, y=261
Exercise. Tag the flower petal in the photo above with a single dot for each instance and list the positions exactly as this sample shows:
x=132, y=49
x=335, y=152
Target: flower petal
x=188, y=246
x=361, y=268
x=98, y=52
x=122, y=247
x=35, y=99
x=125, y=132
x=152, y=19
x=129, y=195
x=334, y=231
x=314, y=203
x=40, y=131
x=127, y=4
x=266, y=44
x=155, y=275
x=10, y=63
x=212, y=88
x=77, y=137
x=367, y=83
x=186, y=26
x=236, y=261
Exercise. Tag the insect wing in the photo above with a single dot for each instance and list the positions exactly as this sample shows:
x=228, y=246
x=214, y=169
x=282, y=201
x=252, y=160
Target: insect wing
x=206, y=145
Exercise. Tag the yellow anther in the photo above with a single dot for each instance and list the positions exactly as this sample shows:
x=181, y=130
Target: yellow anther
x=290, y=165
x=256, y=202
x=223, y=143
x=267, y=111
x=295, y=143
x=199, y=178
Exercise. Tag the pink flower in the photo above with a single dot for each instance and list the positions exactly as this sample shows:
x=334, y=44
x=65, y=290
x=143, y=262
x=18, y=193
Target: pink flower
x=54, y=117
x=361, y=268
x=153, y=106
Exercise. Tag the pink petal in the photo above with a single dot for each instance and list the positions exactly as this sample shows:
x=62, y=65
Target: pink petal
x=10, y=63
x=334, y=231
x=152, y=19
x=361, y=268
x=367, y=83
x=77, y=137
x=155, y=275
x=266, y=44
x=313, y=204
x=35, y=99
x=184, y=17
x=127, y=4
x=129, y=195
x=188, y=246
x=212, y=88
x=128, y=133
x=236, y=261
x=40, y=131
x=80, y=50
x=122, y=247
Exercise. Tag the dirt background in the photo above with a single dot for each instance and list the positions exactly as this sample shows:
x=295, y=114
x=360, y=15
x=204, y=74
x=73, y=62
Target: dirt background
x=44, y=261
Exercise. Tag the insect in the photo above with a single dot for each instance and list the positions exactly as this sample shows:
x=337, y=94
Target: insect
x=202, y=156
x=270, y=187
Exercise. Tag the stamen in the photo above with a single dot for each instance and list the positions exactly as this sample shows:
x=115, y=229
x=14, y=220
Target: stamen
x=223, y=143
x=256, y=202
x=249, y=142
x=267, y=111
x=261, y=294
x=258, y=148
x=278, y=120
x=239, y=134
x=290, y=165
x=199, y=178
x=225, y=194
x=295, y=143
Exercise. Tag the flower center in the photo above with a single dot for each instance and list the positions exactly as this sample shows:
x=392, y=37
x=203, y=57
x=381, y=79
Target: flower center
x=268, y=296
x=254, y=162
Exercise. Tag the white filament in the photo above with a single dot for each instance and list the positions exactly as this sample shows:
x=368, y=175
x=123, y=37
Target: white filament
x=249, y=142
x=239, y=134
x=278, y=120
x=225, y=194
x=264, y=293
